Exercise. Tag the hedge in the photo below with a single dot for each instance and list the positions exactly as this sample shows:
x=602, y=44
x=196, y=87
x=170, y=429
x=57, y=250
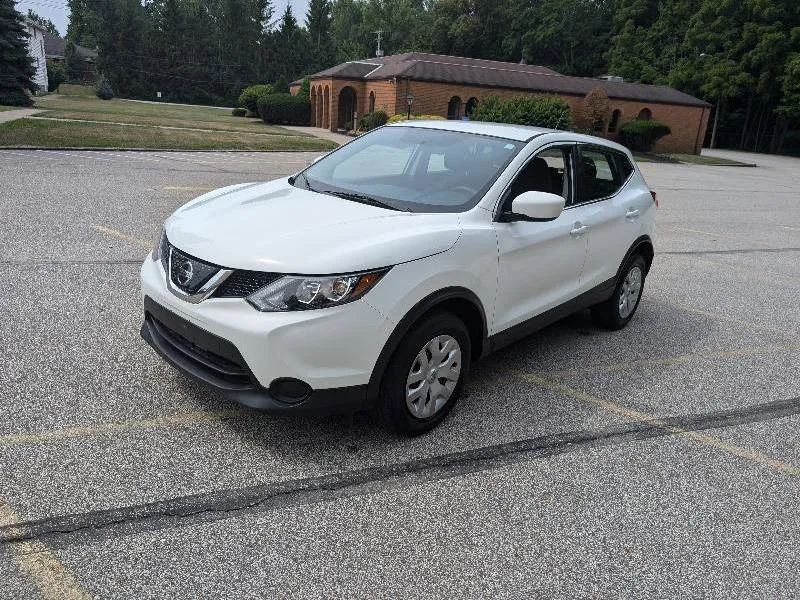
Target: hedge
x=372, y=120
x=403, y=117
x=251, y=95
x=239, y=112
x=553, y=113
x=641, y=136
x=285, y=109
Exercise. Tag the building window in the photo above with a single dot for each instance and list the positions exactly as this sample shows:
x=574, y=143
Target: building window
x=645, y=114
x=454, y=108
x=614, y=122
x=471, y=104
x=372, y=102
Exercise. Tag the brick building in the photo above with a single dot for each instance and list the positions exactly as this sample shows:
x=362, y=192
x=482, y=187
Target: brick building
x=450, y=87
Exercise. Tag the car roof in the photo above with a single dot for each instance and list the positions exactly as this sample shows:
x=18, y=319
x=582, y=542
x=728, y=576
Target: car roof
x=520, y=133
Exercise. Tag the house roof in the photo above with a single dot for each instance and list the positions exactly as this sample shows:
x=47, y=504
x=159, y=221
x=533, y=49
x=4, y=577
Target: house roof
x=490, y=73
x=55, y=47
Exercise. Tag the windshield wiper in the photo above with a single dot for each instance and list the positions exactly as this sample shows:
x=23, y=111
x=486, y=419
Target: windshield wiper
x=356, y=197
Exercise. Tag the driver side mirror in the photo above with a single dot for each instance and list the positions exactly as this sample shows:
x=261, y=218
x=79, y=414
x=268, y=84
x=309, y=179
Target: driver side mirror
x=535, y=206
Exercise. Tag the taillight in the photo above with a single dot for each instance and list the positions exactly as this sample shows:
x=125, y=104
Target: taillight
x=655, y=198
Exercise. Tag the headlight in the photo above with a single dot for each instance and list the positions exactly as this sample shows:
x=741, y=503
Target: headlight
x=304, y=293
x=161, y=241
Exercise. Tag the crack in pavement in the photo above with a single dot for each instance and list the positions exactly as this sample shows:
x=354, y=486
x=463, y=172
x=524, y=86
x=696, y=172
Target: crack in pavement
x=734, y=251
x=218, y=505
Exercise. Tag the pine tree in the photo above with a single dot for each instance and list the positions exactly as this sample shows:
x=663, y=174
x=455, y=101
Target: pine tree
x=16, y=67
x=318, y=24
x=42, y=22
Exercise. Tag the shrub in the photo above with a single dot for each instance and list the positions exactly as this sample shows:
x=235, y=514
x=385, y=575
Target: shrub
x=239, y=112
x=372, y=120
x=104, y=91
x=285, y=109
x=550, y=112
x=56, y=75
x=305, y=87
x=251, y=95
x=402, y=117
x=594, y=113
x=641, y=136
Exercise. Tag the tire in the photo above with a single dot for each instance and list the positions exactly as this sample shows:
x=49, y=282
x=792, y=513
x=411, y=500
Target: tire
x=442, y=332
x=617, y=311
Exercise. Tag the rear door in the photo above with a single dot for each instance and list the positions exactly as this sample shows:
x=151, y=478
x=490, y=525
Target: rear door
x=610, y=207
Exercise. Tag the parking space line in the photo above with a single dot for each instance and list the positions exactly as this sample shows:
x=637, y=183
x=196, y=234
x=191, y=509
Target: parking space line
x=673, y=360
x=124, y=236
x=115, y=427
x=635, y=415
x=181, y=188
x=53, y=580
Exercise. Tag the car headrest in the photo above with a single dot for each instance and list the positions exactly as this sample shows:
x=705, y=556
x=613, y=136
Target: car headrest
x=589, y=168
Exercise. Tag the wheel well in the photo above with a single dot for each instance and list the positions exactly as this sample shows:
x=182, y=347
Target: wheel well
x=469, y=314
x=646, y=250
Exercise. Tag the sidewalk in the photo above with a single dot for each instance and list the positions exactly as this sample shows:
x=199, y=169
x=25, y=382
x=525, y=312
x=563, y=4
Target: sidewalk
x=13, y=115
x=319, y=132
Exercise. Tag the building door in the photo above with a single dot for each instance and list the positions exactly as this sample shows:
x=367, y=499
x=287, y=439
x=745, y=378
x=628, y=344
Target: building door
x=347, y=109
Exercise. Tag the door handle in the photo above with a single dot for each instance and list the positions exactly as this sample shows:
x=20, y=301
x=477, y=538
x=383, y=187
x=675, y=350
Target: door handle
x=632, y=214
x=579, y=229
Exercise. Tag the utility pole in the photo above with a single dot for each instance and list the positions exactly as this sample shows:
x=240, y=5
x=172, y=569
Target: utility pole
x=716, y=120
x=379, y=50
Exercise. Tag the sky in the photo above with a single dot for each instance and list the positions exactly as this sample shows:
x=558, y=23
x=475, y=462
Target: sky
x=58, y=13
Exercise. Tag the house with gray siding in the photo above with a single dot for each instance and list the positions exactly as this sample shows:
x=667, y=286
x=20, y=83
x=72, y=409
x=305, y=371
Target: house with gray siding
x=37, y=53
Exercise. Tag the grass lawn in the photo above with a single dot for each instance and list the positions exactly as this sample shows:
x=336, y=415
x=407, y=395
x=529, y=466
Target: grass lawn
x=2, y=108
x=65, y=134
x=140, y=113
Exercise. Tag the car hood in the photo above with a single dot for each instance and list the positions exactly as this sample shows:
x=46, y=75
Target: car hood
x=277, y=227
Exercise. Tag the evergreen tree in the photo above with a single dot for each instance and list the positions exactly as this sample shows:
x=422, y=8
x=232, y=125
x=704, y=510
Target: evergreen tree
x=45, y=24
x=318, y=24
x=84, y=22
x=16, y=67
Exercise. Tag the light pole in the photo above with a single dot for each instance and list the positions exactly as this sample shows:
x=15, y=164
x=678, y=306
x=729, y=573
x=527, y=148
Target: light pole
x=409, y=103
x=713, y=143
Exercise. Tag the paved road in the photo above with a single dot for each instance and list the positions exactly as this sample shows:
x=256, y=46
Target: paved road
x=659, y=461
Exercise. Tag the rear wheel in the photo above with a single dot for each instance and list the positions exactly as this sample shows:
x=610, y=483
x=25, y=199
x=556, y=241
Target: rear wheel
x=618, y=310
x=426, y=374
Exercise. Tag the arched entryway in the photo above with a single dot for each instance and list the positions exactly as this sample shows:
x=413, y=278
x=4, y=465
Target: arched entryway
x=314, y=107
x=471, y=104
x=326, y=108
x=614, y=122
x=454, y=108
x=372, y=102
x=320, y=104
x=347, y=108
x=645, y=114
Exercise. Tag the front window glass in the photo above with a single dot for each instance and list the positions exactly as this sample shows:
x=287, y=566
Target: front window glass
x=413, y=169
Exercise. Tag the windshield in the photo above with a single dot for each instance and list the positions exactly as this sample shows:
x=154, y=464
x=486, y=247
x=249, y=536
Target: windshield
x=413, y=169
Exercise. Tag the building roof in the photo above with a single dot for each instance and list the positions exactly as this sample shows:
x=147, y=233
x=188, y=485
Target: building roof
x=490, y=73
x=55, y=47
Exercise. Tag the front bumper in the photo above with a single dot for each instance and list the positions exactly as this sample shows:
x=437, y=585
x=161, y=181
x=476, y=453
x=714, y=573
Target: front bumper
x=245, y=354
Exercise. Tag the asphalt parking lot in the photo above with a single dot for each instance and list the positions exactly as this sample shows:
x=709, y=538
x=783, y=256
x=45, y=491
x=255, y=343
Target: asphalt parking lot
x=659, y=461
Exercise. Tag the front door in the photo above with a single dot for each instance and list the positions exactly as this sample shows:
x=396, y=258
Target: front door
x=540, y=263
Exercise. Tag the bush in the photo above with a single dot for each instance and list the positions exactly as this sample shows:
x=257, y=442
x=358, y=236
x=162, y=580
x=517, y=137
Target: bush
x=251, y=95
x=641, y=136
x=372, y=120
x=402, y=117
x=285, y=109
x=56, y=75
x=550, y=112
x=239, y=112
x=104, y=91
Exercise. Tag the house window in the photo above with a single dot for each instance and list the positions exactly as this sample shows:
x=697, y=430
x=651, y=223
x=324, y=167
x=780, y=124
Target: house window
x=645, y=114
x=454, y=108
x=614, y=122
x=372, y=102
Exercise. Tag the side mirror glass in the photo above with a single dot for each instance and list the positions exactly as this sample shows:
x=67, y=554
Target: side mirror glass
x=538, y=206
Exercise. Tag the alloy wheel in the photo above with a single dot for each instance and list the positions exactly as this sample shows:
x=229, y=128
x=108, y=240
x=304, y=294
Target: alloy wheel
x=433, y=376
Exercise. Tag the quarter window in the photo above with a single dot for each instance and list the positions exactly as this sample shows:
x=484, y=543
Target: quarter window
x=598, y=176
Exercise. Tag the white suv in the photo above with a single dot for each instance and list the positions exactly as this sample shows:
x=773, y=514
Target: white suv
x=373, y=278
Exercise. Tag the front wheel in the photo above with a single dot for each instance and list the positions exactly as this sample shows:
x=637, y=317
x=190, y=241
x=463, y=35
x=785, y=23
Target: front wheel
x=618, y=310
x=426, y=374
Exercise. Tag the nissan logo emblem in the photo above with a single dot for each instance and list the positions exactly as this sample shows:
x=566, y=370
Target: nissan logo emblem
x=183, y=271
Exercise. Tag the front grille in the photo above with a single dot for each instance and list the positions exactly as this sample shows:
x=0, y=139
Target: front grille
x=241, y=284
x=165, y=246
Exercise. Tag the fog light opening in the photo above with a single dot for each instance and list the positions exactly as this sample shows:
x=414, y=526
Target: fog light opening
x=290, y=391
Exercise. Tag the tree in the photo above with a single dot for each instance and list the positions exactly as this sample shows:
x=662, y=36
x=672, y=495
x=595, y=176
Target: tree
x=16, y=67
x=42, y=22
x=56, y=75
x=84, y=22
x=595, y=111
x=318, y=24
x=72, y=62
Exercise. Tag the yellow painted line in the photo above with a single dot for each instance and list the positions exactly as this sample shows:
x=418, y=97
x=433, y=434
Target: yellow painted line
x=53, y=580
x=55, y=435
x=124, y=236
x=640, y=417
x=674, y=360
x=181, y=188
